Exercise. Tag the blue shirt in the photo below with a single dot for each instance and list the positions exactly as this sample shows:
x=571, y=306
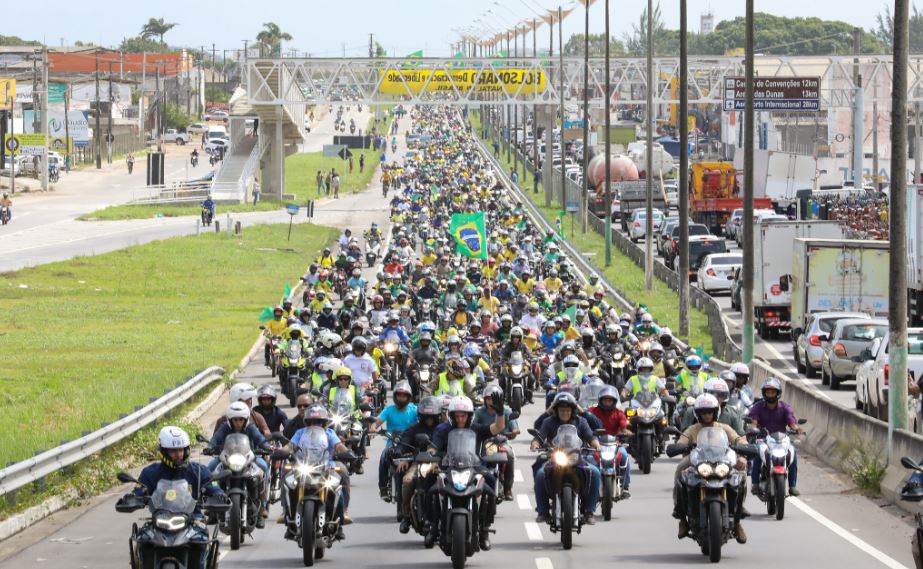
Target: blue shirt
x=398, y=420
x=390, y=333
x=253, y=433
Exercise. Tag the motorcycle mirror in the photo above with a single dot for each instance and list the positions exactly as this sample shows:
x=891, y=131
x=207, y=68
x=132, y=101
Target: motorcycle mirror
x=426, y=458
x=277, y=436
x=599, y=432
x=129, y=479
x=749, y=451
x=677, y=449
x=748, y=420
x=514, y=415
x=281, y=454
x=347, y=456
x=201, y=438
x=802, y=421
x=671, y=430
x=262, y=327
x=906, y=462
x=534, y=433
x=495, y=459
x=365, y=407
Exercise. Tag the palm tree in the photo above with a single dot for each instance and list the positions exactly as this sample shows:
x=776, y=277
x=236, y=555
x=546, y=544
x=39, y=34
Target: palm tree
x=271, y=38
x=156, y=27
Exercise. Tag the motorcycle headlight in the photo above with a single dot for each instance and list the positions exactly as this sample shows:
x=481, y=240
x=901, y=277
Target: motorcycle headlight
x=516, y=369
x=170, y=522
x=461, y=478
x=648, y=413
x=561, y=458
x=425, y=469
x=390, y=348
x=337, y=421
x=705, y=470
x=607, y=454
x=236, y=462
x=690, y=401
x=722, y=470
x=307, y=469
x=779, y=452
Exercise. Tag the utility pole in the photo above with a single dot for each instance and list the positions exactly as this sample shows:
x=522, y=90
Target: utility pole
x=683, y=174
x=747, y=293
x=158, y=113
x=858, y=112
x=141, y=116
x=586, y=115
x=875, y=137
x=97, y=130
x=371, y=49
x=606, y=102
x=897, y=279
x=109, y=125
x=649, y=222
x=12, y=100
x=535, y=113
x=561, y=78
x=547, y=171
x=45, y=118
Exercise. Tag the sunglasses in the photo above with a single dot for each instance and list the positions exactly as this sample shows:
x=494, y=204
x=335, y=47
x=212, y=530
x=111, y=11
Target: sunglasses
x=303, y=406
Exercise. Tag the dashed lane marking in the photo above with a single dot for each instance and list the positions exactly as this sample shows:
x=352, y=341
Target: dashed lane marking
x=533, y=531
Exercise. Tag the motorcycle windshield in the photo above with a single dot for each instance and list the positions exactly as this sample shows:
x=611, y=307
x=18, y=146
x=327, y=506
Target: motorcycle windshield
x=516, y=358
x=589, y=394
x=293, y=350
x=342, y=403
x=645, y=398
x=567, y=438
x=313, y=447
x=712, y=444
x=461, y=451
x=173, y=496
x=236, y=443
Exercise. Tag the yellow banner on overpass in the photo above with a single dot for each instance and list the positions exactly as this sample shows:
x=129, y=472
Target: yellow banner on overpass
x=486, y=80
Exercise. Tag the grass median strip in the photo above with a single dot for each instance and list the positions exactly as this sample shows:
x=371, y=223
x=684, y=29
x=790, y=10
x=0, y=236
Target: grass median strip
x=88, y=339
x=301, y=173
x=624, y=274
x=144, y=211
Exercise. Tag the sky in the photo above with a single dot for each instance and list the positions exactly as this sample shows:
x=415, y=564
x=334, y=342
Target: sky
x=328, y=29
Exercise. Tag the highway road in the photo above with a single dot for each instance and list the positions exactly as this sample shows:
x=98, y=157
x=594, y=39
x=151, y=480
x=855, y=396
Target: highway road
x=829, y=526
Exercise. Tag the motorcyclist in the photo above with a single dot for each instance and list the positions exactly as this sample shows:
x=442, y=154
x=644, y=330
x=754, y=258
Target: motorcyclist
x=362, y=366
x=727, y=415
x=343, y=379
x=274, y=327
x=662, y=368
x=428, y=413
x=615, y=422
x=456, y=380
x=238, y=421
x=486, y=415
x=397, y=418
x=460, y=415
x=378, y=314
x=776, y=416
x=692, y=379
x=706, y=411
x=209, y=204
x=173, y=446
x=564, y=412
x=742, y=379
x=304, y=401
x=550, y=338
x=393, y=331
x=275, y=417
x=647, y=326
x=506, y=326
x=6, y=202
x=644, y=380
x=245, y=393
x=326, y=259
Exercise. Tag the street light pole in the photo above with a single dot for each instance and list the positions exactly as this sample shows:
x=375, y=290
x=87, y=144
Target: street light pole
x=606, y=101
x=746, y=294
x=683, y=174
x=649, y=222
x=586, y=113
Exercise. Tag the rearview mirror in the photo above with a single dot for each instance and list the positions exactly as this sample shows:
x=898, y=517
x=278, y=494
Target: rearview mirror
x=906, y=462
x=671, y=430
x=129, y=479
x=201, y=438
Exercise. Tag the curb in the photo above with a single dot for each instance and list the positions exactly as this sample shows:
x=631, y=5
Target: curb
x=31, y=516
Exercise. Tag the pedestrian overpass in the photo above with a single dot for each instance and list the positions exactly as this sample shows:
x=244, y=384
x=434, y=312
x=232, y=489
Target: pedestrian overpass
x=279, y=91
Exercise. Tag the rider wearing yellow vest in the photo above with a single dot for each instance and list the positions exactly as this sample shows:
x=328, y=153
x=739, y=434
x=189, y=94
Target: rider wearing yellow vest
x=454, y=381
x=644, y=380
x=344, y=378
x=692, y=378
x=326, y=260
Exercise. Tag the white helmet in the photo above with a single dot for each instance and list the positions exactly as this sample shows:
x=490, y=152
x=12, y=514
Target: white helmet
x=238, y=410
x=706, y=402
x=242, y=392
x=173, y=437
x=717, y=387
x=571, y=361
x=645, y=363
x=462, y=404
x=330, y=364
x=740, y=368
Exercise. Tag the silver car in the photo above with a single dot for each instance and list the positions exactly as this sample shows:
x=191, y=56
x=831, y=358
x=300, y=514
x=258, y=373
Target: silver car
x=809, y=346
x=844, y=345
x=637, y=227
x=733, y=223
x=717, y=271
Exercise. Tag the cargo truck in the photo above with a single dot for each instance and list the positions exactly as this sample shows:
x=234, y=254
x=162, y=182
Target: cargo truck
x=773, y=254
x=838, y=275
x=714, y=194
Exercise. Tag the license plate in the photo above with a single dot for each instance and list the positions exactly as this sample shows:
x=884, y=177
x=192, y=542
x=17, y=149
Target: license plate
x=778, y=469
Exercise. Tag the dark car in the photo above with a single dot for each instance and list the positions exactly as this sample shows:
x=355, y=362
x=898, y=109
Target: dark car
x=698, y=247
x=671, y=247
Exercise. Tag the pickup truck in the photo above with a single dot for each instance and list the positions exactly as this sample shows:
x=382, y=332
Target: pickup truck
x=173, y=135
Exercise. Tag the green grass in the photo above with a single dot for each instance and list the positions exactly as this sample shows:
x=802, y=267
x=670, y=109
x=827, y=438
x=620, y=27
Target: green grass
x=143, y=211
x=87, y=339
x=624, y=274
x=301, y=173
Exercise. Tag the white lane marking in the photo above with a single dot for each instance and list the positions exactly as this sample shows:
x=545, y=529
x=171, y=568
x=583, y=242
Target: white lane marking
x=517, y=475
x=522, y=500
x=223, y=554
x=543, y=563
x=533, y=531
x=846, y=535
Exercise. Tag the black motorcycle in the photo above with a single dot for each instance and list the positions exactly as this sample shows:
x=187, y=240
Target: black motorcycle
x=914, y=493
x=170, y=537
x=207, y=216
x=565, y=475
x=516, y=378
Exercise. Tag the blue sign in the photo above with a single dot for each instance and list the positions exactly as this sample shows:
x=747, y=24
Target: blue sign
x=292, y=208
x=572, y=207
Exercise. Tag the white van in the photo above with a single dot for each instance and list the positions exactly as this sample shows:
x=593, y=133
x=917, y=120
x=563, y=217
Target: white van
x=217, y=131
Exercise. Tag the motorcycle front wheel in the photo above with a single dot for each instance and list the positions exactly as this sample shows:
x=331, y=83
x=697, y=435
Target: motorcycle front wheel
x=307, y=532
x=608, y=482
x=715, y=530
x=778, y=482
x=459, y=531
x=567, y=517
x=235, y=524
x=516, y=400
x=646, y=454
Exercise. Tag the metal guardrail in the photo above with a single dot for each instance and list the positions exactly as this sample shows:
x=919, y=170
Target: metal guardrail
x=38, y=467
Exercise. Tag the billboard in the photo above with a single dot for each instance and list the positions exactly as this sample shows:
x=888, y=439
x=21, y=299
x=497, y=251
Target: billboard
x=78, y=127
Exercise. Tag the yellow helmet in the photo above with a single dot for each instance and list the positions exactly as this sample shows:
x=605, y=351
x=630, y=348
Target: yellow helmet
x=344, y=371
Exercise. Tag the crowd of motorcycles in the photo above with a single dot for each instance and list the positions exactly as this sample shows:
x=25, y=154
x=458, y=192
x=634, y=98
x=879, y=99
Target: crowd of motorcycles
x=522, y=327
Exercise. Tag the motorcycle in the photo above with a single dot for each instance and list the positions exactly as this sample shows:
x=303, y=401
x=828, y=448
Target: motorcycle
x=424, y=375
x=515, y=375
x=273, y=352
x=352, y=430
x=711, y=511
x=777, y=452
x=565, y=475
x=207, y=216
x=372, y=251
x=613, y=473
x=463, y=507
x=422, y=469
x=242, y=484
x=194, y=160
x=313, y=496
x=647, y=421
x=169, y=538
x=914, y=494
x=616, y=368
x=392, y=353
x=5, y=214
x=292, y=370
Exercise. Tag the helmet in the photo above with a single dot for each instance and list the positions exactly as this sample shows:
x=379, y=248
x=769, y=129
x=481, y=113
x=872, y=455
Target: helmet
x=741, y=373
x=607, y=392
x=472, y=351
x=516, y=332
x=564, y=399
x=772, y=383
x=490, y=390
x=294, y=333
x=506, y=318
x=171, y=437
x=429, y=406
x=460, y=404
x=694, y=361
x=587, y=333
x=238, y=410
x=343, y=371
x=316, y=415
x=645, y=363
x=571, y=361
x=330, y=364
x=327, y=306
x=717, y=387
x=266, y=390
x=330, y=340
x=359, y=343
x=453, y=339
x=655, y=347
x=458, y=366
x=704, y=403
x=402, y=387
x=357, y=273
x=613, y=329
x=647, y=319
x=242, y=392
x=377, y=298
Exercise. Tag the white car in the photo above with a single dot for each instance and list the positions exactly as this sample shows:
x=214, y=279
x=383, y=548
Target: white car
x=733, y=223
x=872, y=375
x=717, y=271
x=217, y=115
x=637, y=225
x=196, y=128
x=216, y=145
x=809, y=343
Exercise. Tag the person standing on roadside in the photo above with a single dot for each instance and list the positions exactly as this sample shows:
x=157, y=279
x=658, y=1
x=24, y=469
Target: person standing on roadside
x=336, y=185
x=350, y=163
x=130, y=161
x=361, y=163
x=320, y=182
x=256, y=195
x=328, y=182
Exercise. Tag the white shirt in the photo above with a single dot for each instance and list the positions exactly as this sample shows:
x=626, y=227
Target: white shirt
x=362, y=368
x=530, y=322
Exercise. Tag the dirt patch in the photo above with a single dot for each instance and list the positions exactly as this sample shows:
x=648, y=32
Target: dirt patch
x=9, y=274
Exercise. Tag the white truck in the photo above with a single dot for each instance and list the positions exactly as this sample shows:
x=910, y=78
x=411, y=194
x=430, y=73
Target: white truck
x=915, y=254
x=173, y=135
x=838, y=275
x=773, y=252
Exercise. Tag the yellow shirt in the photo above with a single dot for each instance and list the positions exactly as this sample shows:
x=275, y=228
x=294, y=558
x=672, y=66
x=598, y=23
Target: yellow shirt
x=492, y=304
x=590, y=289
x=508, y=254
x=489, y=272
x=571, y=334
x=428, y=260
x=553, y=284
x=525, y=287
x=316, y=305
x=276, y=327
x=326, y=262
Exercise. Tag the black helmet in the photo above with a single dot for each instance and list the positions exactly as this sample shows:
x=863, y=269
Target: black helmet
x=359, y=344
x=564, y=399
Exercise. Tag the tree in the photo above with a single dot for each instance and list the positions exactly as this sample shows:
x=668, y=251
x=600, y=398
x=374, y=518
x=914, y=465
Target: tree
x=666, y=42
x=380, y=51
x=17, y=41
x=156, y=27
x=139, y=44
x=176, y=117
x=783, y=36
x=271, y=39
x=574, y=45
x=885, y=31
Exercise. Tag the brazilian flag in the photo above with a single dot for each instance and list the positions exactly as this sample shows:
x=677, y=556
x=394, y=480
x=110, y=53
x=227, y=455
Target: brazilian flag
x=470, y=234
